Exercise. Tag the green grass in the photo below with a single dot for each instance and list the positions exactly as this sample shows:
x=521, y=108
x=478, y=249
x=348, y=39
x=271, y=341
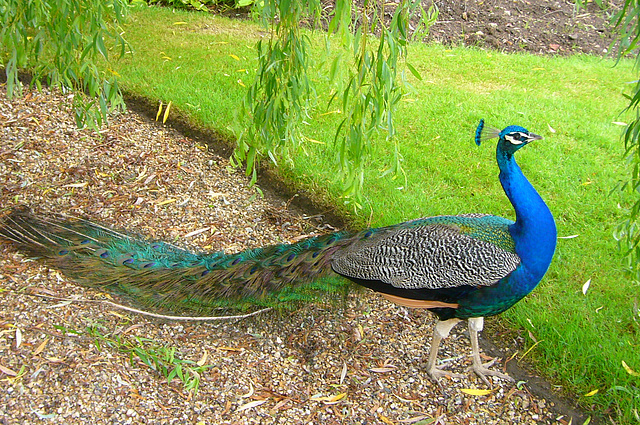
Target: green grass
x=162, y=359
x=201, y=63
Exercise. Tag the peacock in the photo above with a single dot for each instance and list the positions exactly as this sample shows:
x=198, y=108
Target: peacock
x=457, y=266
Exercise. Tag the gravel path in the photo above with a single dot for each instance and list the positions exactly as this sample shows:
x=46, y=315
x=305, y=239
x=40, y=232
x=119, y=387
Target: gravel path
x=61, y=362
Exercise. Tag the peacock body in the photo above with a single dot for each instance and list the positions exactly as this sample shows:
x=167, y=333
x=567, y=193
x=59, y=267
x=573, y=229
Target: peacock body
x=457, y=266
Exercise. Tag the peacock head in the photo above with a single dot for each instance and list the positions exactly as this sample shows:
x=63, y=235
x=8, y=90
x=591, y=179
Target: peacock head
x=510, y=138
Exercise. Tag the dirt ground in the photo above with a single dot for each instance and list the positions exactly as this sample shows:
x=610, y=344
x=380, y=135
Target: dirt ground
x=537, y=26
x=556, y=27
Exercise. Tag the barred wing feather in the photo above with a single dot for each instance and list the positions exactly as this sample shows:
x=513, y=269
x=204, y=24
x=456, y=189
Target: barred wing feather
x=427, y=256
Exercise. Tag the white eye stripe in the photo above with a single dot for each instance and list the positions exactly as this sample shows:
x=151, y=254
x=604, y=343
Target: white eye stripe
x=511, y=139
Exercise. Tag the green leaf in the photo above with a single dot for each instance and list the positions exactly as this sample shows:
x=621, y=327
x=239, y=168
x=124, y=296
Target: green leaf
x=414, y=71
x=251, y=156
x=178, y=370
x=172, y=375
x=272, y=157
x=101, y=47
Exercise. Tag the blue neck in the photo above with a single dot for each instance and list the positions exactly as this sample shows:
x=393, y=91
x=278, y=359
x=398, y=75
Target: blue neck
x=534, y=231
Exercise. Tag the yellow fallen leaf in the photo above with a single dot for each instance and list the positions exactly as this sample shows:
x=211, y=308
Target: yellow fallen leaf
x=166, y=201
x=76, y=184
x=318, y=142
x=629, y=370
x=234, y=57
x=591, y=393
x=337, y=111
x=329, y=399
x=336, y=398
x=203, y=360
x=166, y=112
x=179, y=23
x=384, y=419
x=476, y=392
x=223, y=348
x=118, y=315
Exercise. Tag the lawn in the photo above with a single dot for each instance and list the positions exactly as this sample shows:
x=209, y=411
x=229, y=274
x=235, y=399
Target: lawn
x=203, y=64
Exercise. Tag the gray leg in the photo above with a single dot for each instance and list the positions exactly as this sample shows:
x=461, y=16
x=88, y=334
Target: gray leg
x=482, y=370
x=440, y=332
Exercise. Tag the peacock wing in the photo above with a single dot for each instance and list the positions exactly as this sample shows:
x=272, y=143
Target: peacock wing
x=432, y=253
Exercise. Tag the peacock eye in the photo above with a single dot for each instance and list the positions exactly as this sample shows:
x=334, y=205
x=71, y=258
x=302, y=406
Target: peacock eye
x=517, y=136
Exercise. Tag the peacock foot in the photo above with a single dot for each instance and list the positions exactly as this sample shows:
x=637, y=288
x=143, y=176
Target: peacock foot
x=436, y=374
x=482, y=370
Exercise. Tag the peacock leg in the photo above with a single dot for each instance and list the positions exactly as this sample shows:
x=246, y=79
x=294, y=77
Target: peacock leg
x=440, y=332
x=476, y=325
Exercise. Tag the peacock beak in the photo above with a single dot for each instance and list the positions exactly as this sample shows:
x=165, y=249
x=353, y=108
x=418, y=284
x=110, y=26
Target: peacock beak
x=534, y=136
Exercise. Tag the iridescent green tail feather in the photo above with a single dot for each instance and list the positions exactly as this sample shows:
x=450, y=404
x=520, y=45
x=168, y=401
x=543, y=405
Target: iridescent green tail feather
x=161, y=275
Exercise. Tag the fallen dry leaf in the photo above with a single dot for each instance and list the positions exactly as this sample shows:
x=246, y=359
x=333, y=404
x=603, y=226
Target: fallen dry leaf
x=329, y=399
x=18, y=338
x=7, y=371
x=251, y=405
x=40, y=347
x=629, y=370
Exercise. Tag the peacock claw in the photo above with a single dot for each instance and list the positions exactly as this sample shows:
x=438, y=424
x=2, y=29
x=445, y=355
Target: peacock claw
x=482, y=370
x=436, y=374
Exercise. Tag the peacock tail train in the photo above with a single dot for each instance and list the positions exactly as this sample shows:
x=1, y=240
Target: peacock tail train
x=161, y=275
